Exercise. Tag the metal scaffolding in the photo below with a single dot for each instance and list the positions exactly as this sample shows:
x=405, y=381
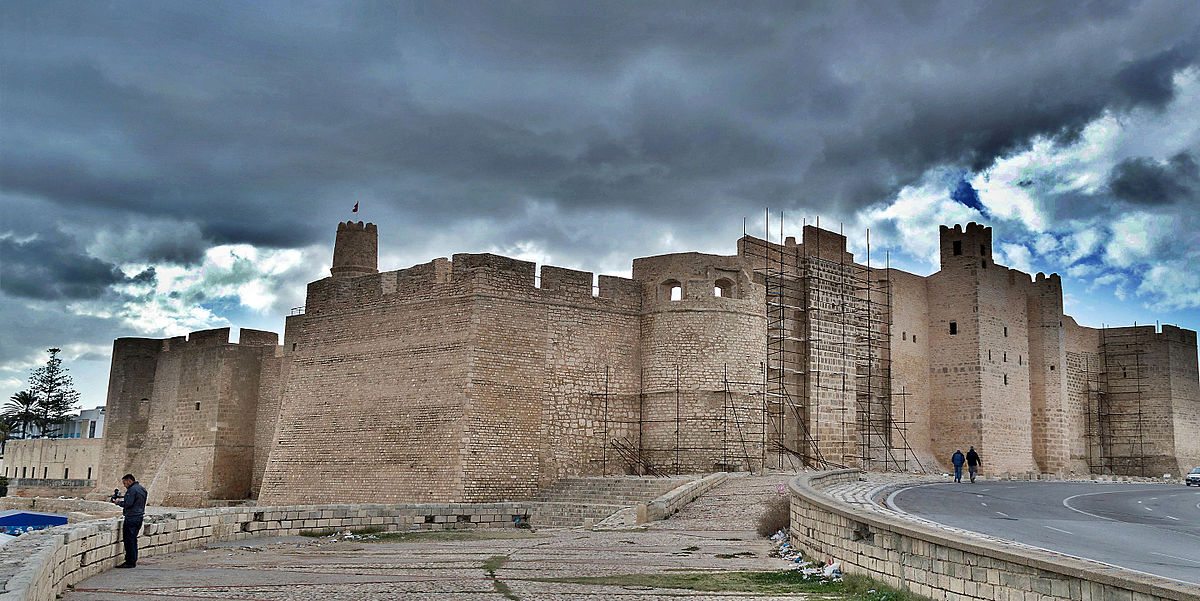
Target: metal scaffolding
x=1116, y=416
x=825, y=395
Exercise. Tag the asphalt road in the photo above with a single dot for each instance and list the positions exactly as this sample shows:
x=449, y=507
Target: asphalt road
x=1153, y=528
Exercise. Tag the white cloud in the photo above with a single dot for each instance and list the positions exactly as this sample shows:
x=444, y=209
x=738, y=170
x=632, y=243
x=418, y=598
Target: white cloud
x=1137, y=237
x=916, y=214
x=1016, y=256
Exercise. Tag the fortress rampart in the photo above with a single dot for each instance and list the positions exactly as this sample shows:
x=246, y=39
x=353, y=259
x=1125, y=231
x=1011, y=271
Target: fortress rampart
x=482, y=378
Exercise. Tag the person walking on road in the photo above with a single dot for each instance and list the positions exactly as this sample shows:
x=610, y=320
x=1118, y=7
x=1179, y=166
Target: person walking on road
x=958, y=460
x=973, y=463
x=134, y=509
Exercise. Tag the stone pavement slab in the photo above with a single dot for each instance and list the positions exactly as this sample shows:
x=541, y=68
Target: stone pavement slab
x=714, y=533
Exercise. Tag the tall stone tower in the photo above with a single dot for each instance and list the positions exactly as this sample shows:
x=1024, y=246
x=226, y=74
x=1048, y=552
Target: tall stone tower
x=356, y=250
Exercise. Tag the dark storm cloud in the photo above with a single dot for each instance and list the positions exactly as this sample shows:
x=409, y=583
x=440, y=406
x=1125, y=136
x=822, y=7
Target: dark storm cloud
x=259, y=122
x=48, y=267
x=1143, y=180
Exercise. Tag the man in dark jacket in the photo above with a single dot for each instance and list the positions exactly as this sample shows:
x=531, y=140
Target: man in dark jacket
x=958, y=460
x=134, y=504
x=973, y=463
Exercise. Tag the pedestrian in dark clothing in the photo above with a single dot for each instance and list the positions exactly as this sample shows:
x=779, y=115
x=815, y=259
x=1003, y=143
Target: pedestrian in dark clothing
x=973, y=463
x=134, y=504
x=958, y=460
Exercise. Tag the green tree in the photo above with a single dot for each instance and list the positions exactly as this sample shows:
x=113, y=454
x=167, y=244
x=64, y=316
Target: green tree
x=55, y=392
x=22, y=411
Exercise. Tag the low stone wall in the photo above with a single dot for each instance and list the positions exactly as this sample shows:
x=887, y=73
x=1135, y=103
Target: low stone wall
x=675, y=499
x=943, y=565
x=39, y=565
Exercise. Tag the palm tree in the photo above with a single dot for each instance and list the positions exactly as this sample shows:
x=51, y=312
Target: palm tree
x=22, y=409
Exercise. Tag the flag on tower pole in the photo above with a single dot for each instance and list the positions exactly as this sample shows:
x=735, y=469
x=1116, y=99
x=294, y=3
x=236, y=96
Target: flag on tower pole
x=355, y=209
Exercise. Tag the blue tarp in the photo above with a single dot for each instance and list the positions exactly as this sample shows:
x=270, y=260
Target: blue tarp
x=15, y=521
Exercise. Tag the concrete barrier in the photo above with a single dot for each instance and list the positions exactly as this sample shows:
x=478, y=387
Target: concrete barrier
x=38, y=566
x=944, y=565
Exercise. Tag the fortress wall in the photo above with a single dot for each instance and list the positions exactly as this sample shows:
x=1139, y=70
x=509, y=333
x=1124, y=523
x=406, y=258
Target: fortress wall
x=131, y=378
x=374, y=402
x=275, y=369
x=538, y=353
x=1081, y=366
x=954, y=360
x=910, y=364
x=832, y=323
x=1185, y=397
x=693, y=341
x=1005, y=386
x=1138, y=386
x=1051, y=429
x=181, y=414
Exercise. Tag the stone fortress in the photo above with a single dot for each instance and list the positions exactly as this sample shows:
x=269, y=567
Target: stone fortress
x=479, y=378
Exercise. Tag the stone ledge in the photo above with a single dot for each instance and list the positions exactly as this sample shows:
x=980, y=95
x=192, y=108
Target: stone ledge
x=823, y=526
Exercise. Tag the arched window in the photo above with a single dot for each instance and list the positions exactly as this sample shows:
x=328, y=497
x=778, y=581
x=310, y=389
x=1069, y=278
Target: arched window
x=723, y=288
x=670, y=290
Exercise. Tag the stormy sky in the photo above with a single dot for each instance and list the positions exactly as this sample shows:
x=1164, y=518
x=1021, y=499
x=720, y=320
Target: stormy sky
x=166, y=167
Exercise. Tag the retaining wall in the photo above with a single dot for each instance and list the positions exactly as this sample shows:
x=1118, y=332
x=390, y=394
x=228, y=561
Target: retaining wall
x=38, y=566
x=943, y=565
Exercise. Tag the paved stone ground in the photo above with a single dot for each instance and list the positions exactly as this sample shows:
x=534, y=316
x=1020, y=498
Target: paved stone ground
x=721, y=522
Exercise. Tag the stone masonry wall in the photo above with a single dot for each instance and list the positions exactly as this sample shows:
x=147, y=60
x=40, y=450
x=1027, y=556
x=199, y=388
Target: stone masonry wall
x=53, y=458
x=539, y=357
x=185, y=415
x=911, y=390
x=690, y=348
x=375, y=401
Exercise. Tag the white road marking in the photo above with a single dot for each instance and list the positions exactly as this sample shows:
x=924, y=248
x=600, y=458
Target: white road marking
x=984, y=504
x=1058, y=529
x=1170, y=517
x=1176, y=557
x=1147, y=509
x=1004, y=514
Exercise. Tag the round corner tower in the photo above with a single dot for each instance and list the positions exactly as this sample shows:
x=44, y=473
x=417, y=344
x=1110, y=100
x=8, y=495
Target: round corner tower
x=356, y=250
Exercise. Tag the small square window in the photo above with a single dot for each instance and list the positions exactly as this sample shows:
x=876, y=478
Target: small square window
x=983, y=263
x=1051, y=368
x=197, y=406
x=914, y=337
x=903, y=335
x=957, y=247
x=953, y=328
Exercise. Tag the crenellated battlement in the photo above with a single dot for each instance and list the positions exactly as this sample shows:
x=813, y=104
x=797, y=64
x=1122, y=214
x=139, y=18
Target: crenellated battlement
x=356, y=226
x=471, y=273
x=970, y=245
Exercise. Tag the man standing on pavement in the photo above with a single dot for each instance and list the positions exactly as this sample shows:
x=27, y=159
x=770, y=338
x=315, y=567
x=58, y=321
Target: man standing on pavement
x=958, y=461
x=134, y=504
x=973, y=463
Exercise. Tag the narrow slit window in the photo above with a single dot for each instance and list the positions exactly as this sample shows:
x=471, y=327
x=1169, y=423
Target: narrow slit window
x=983, y=263
x=914, y=337
x=957, y=247
x=982, y=250
x=1006, y=379
x=1006, y=331
x=89, y=473
x=953, y=328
